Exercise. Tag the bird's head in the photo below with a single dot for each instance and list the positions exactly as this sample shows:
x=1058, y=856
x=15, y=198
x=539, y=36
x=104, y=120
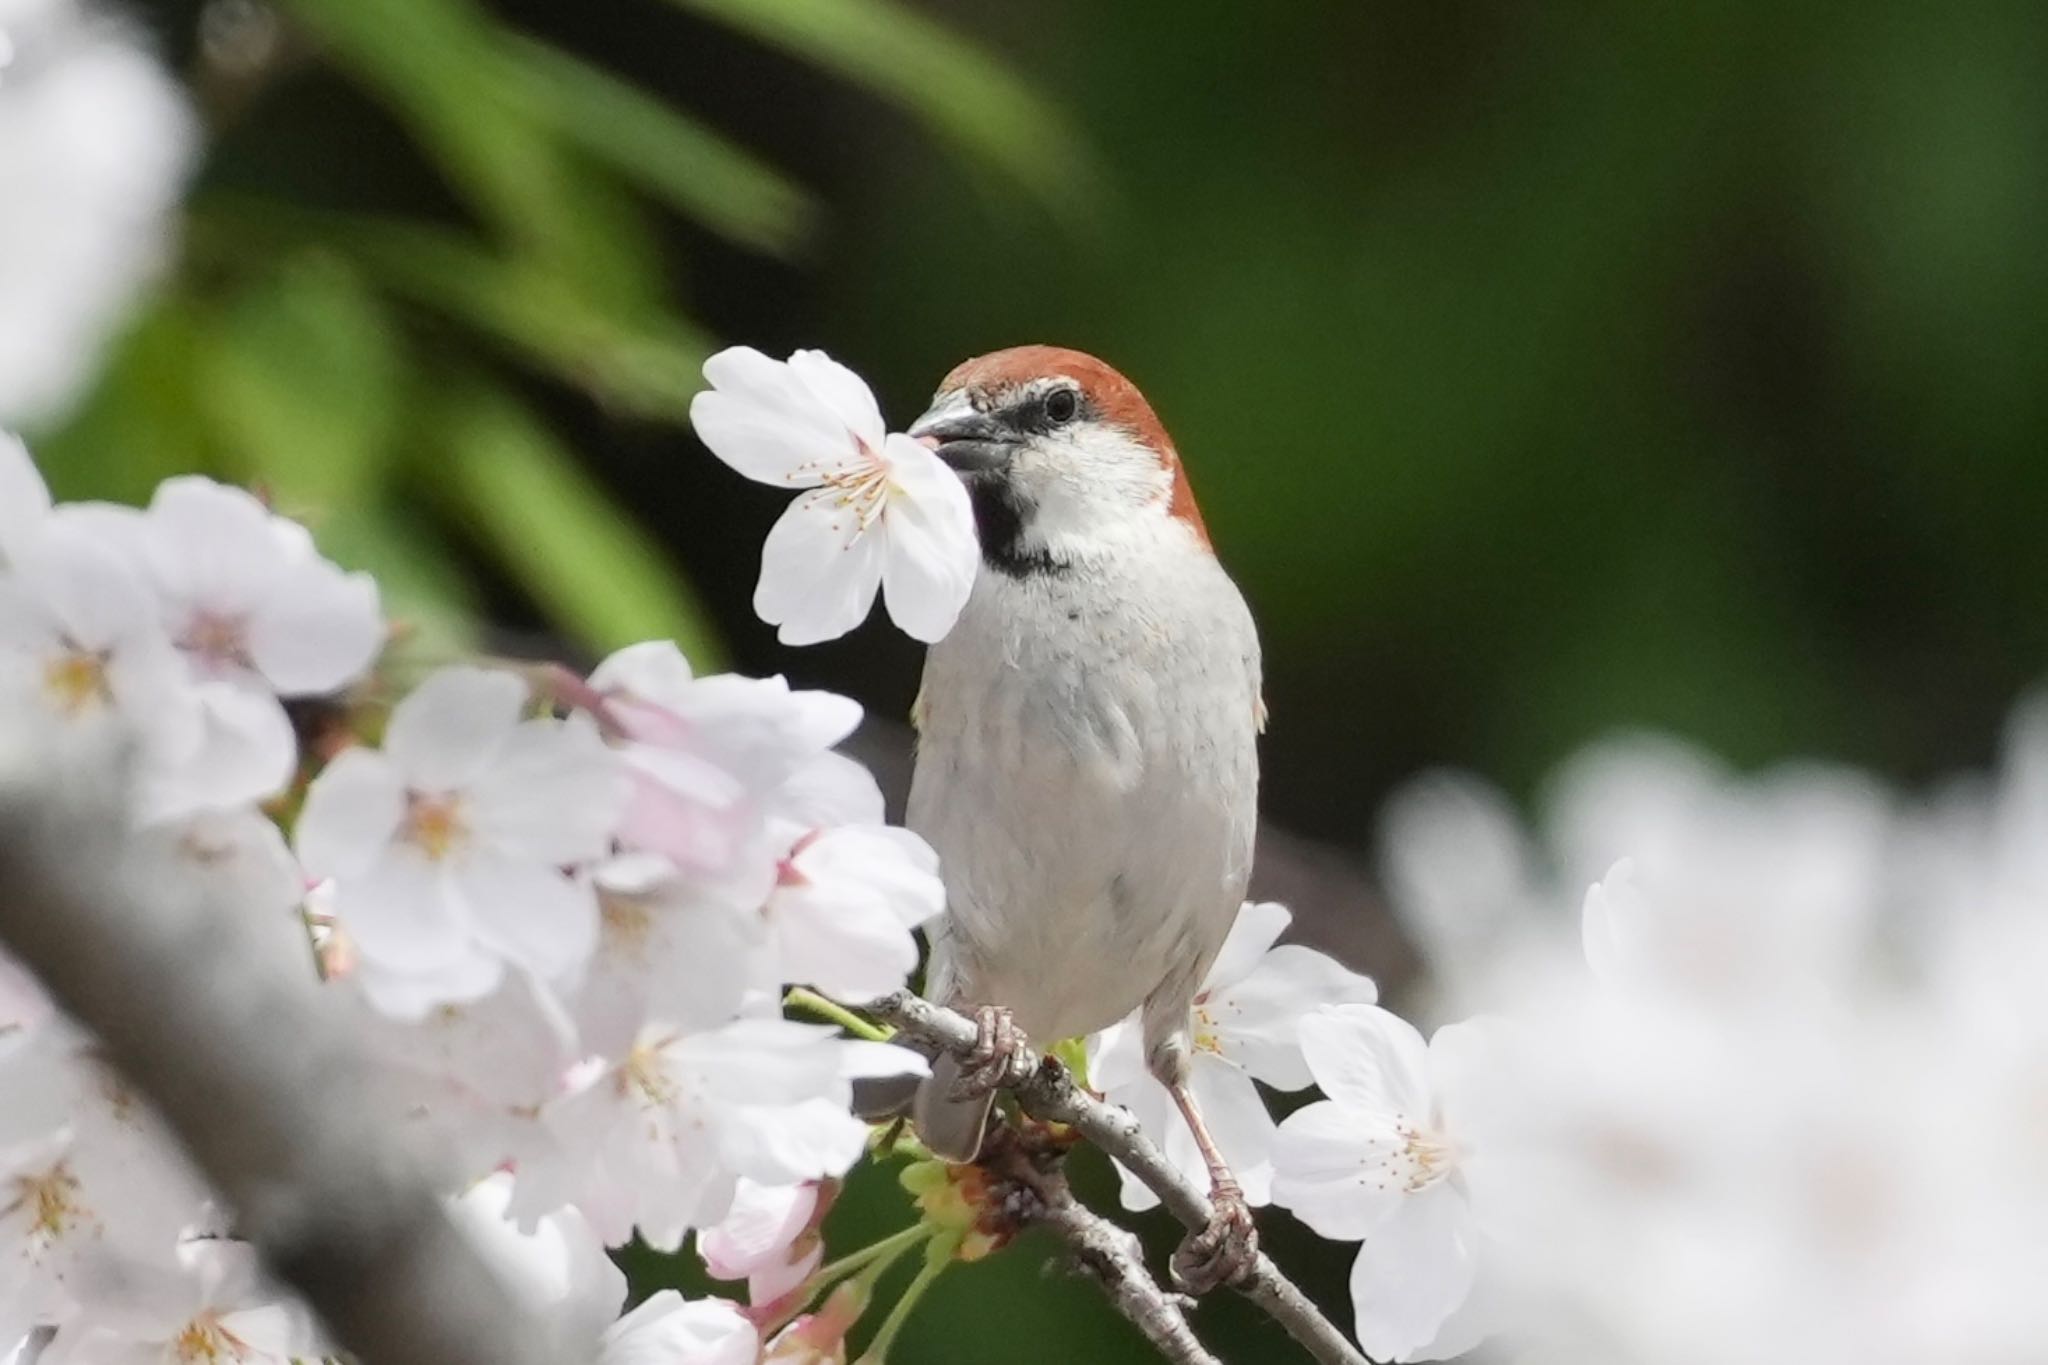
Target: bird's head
x=1063, y=457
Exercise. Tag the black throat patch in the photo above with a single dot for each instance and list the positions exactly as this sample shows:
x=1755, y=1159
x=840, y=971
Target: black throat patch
x=1001, y=514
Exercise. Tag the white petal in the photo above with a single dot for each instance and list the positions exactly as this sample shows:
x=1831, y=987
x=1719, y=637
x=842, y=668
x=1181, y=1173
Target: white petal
x=1238, y=1120
x=933, y=553
x=1331, y=1169
x=318, y=632
x=1258, y=1020
x=1258, y=927
x=808, y=1140
x=210, y=547
x=401, y=911
x=770, y=445
x=844, y=392
x=1413, y=1272
x=1369, y=1059
x=448, y=731
x=246, y=753
x=1116, y=1056
x=553, y=794
x=818, y=579
x=24, y=499
x=831, y=789
x=765, y=1220
x=532, y=915
x=352, y=812
x=670, y=1330
x=653, y=671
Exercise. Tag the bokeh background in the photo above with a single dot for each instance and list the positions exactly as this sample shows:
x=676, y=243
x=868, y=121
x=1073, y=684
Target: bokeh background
x=1542, y=369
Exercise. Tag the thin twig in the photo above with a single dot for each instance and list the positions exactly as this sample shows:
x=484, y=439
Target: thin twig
x=253, y=1070
x=1050, y=1093
x=1112, y=1255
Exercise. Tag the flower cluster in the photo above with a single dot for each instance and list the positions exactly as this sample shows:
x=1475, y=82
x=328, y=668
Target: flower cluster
x=1776, y=1085
x=565, y=917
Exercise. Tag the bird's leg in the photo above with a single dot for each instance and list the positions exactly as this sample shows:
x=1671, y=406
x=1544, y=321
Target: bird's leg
x=1001, y=1055
x=1224, y=1251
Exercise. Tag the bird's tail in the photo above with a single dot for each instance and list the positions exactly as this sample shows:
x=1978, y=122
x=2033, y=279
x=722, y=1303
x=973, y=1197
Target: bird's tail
x=951, y=1128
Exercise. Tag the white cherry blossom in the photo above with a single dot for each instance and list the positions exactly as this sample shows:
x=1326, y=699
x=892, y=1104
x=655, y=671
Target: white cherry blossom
x=882, y=510
x=1381, y=1162
x=24, y=498
x=215, y=1304
x=1246, y=1028
x=258, y=615
x=667, y=1132
x=447, y=847
x=95, y=144
x=81, y=650
x=558, y=1270
x=669, y=1329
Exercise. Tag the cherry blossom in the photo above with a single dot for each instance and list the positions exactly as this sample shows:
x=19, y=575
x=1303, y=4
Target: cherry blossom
x=215, y=1304
x=24, y=498
x=1246, y=1028
x=258, y=616
x=669, y=1329
x=713, y=760
x=667, y=1132
x=446, y=847
x=95, y=144
x=847, y=901
x=82, y=650
x=1381, y=1161
x=559, y=1269
x=883, y=511
x=769, y=1238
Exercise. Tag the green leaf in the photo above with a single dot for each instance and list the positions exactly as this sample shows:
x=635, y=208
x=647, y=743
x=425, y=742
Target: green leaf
x=141, y=423
x=693, y=169
x=304, y=383
x=945, y=80
x=595, y=572
x=440, y=65
x=637, y=359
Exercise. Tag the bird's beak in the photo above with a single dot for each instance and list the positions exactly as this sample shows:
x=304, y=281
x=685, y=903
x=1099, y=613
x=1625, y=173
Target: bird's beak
x=971, y=442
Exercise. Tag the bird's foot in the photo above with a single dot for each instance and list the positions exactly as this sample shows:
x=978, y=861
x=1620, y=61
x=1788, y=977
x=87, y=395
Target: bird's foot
x=1001, y=1056
x=1223, y=1252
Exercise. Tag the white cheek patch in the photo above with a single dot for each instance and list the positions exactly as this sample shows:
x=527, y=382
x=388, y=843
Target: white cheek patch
x=1088, y=485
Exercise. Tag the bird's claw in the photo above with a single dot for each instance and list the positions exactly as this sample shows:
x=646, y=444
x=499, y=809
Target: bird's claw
x=1223, y=1252
x=1000, y=1057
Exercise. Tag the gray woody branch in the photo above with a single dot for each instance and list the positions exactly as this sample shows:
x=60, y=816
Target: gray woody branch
x=1111, y=1255
x=258, y=1079
x=1049, y=1093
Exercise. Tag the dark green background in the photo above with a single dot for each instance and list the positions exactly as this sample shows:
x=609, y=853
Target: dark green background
x=1542, y=368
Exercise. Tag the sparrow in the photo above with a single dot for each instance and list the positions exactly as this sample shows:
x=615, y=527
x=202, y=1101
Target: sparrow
x=1087, y=762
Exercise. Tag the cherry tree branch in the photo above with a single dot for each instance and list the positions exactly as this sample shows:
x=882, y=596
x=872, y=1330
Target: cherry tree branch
x=259, y=1080
x=1111, y=1255
x=1050, y=1093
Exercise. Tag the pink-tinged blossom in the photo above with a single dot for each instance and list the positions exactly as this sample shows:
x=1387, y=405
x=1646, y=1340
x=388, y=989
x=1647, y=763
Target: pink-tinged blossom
x=769, y=1238
x=846, y=904
x=447, y=848
x=881, y=510
x=712, y=761
x=258, y=615
x=1246, y=1027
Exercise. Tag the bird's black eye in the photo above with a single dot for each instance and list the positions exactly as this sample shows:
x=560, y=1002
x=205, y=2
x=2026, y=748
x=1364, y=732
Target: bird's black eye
x=1062, y=406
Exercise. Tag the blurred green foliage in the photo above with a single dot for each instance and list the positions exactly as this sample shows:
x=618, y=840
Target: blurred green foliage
x=1541, y=368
